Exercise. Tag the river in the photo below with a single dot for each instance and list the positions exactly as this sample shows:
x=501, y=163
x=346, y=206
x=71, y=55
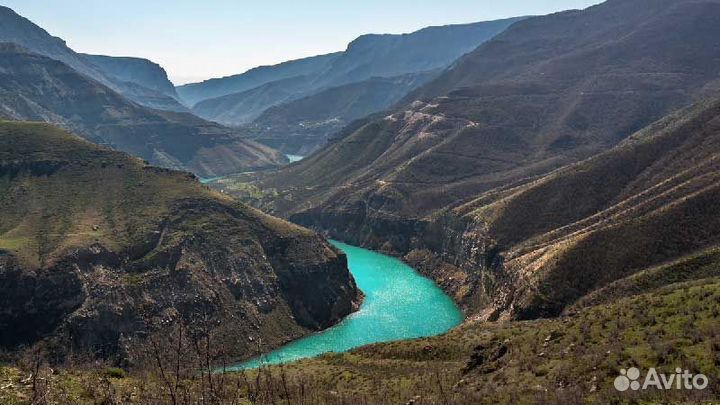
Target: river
x=208, y=180
x=399, y=304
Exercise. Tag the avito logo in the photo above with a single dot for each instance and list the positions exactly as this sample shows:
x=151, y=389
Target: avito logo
x=681, y=379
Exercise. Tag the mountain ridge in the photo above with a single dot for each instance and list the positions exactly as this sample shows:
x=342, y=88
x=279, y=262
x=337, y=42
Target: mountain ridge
x=35, y=87
x=367, y=57
x=18, y=29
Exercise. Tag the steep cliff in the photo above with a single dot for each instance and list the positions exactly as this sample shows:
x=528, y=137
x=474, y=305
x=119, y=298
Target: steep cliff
x=100, y=252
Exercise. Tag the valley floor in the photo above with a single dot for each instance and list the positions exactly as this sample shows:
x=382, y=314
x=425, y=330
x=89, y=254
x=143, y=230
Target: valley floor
x=571, y=359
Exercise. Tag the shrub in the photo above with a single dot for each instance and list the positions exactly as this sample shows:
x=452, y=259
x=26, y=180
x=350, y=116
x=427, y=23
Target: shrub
x=115, y=372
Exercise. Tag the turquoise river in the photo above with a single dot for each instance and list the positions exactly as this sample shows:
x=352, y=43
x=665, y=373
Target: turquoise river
x=399, y=304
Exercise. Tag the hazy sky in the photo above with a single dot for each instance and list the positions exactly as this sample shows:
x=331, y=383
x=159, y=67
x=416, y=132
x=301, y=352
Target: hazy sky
x=195, y=40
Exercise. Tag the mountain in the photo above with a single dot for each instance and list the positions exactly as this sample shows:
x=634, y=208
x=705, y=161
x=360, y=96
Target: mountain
x=137, y=76
x=121, y=74
x=644, y=211
x=548, y=92
x=193, y=93
x=35, y=87
x=370, y=56
x=100, y=252
x=425, y=50
x=136, y=70
x=243, y=107
x=298, y=127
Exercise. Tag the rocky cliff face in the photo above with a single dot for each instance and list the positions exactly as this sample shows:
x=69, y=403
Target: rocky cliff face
x=99, y=252
x=140, y=80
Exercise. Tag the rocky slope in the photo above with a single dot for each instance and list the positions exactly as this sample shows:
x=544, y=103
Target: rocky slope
x=100, y=252
x=547, y=92
x=299, y=127
x=34, y=87
x=17, y=29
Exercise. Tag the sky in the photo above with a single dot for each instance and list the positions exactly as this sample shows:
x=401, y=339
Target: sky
x=200, y=39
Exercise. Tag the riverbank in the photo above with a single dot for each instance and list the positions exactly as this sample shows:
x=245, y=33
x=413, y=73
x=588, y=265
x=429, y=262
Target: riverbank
x=395, y=307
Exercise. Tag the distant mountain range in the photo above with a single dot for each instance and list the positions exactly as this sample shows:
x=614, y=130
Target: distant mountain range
x=35, y=87
x=106, y=99
x=142, y=79
x=193, y=93
x=240, y=99
x=137, y=79
x=456, y=178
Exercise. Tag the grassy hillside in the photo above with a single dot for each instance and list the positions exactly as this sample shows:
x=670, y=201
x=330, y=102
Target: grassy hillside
x=100, y=252
x=647, y=202
x=572, y=359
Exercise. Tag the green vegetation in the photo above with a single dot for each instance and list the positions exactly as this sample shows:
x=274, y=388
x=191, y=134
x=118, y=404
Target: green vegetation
x=115, y=372
x=93, y=196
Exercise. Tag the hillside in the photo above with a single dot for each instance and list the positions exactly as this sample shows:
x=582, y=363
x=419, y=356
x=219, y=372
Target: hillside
x=301, y=126
x=639, y=216
x=34, y=87
x=649, y=201
x=529, y=119
x=19, y=30
x=533, y=248
x=573, y=359
x=100, y=254
x=404, y=182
